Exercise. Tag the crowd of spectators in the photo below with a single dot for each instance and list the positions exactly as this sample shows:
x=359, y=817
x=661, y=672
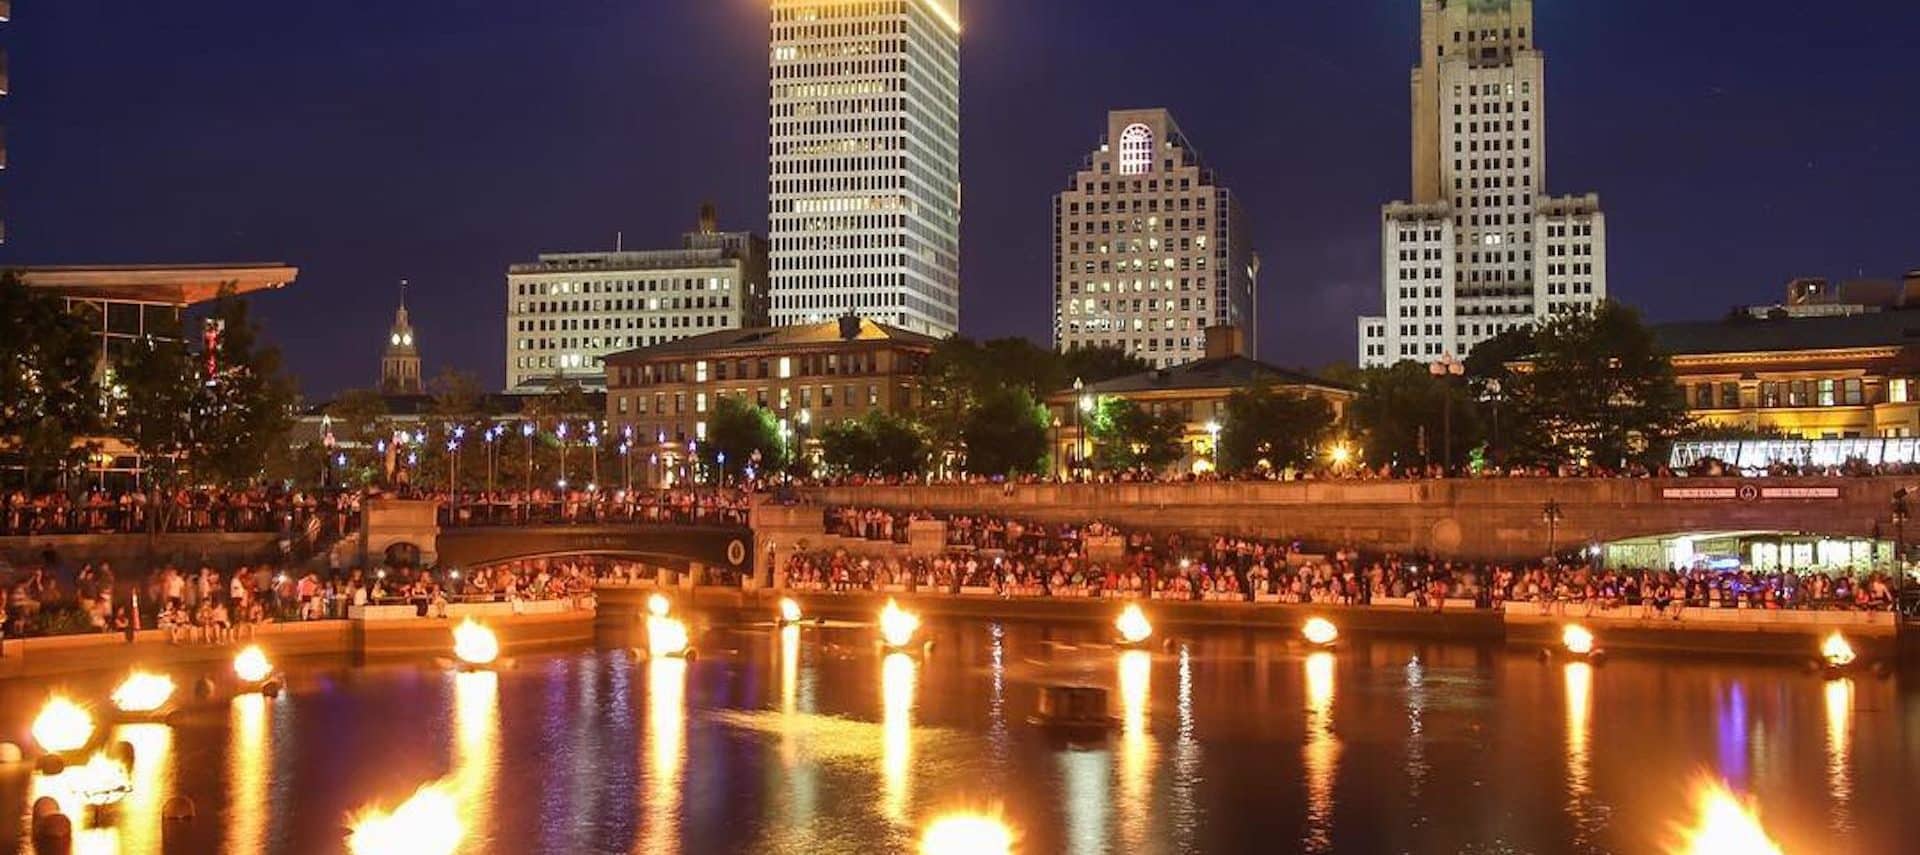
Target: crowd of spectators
x=98, y=511
x=705, y=506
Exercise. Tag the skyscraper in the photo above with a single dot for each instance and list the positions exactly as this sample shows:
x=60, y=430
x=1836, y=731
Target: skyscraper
x=864, y=176
x=1481, y=249
x=1149, y=249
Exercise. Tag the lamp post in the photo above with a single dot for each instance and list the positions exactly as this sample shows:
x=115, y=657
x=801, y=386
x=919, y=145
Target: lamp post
x=1493, y=394
x=593, y=450
x=1059, y=454
x=1213, y=443
x=1083, y=409
x=562, y=431
x=1552, y=515
x=1446, y=369
x=493, y=436
x=1900, y=514
x=806, y=433
x=526, y=430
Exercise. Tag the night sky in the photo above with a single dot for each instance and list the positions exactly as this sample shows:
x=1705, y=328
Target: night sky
x=1734, y=145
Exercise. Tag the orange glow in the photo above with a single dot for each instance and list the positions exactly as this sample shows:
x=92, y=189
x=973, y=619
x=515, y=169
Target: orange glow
x=142, y=692
x=1725, y=825
x=897, y=625
x=1578, y=639
x=1133, y=625
x=1837, y=651
x=427, y=823
x=1320, y=631
x=62, y=726
x=475, y=644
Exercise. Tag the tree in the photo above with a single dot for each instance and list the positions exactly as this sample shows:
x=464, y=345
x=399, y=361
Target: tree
x=154, y=399
x=1128, y=438
x=1598, y=392
x=1264, y=429
x=876, y=444
x=358, y=421
x=49, y=397
x=1005, y=433
x=244, y=403
x=1098, y=364
x=737, y=432
x=1401, y=414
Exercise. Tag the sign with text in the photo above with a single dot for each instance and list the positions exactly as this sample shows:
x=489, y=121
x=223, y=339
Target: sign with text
x=1747, y=493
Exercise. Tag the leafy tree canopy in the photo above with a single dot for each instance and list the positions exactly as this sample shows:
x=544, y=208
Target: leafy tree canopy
x=1268, y=429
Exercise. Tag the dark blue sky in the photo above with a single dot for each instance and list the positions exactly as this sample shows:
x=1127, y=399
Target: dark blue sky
x=1735, y=145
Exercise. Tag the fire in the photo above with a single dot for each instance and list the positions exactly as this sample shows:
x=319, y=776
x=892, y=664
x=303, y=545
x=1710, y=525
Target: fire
x=1837, y=651
x=1320, y=631
x=427, y=823
x=251, y=665
x=658, y=605
x=142, y=692
x=1727, y=825
x=62, y=726
x=897, y=625
x=789, y=610
x=102, y=781
x=966, y=834
x=475, y=644
x=1578, y=639
x=1133, y=625
x=666, y=636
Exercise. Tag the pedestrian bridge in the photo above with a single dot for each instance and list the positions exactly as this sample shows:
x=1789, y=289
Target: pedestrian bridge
x=413, y=525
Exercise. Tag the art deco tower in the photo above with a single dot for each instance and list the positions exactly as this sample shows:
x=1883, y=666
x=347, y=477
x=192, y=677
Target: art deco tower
x=400, y=365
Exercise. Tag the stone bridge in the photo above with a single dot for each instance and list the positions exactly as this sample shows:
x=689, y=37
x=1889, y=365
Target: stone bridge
x=1490, y=519
x=414, y=526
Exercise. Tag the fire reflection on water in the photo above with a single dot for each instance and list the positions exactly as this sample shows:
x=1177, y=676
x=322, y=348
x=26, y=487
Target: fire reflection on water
x=248, y=753
x=1321, y=755
x=1839, y=703
x=476, y=711
x=1136, y=749
x=896, y=756
x=666, y=755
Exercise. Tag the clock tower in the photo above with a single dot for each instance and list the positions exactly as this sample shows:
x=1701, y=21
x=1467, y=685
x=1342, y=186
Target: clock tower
x=400, y=365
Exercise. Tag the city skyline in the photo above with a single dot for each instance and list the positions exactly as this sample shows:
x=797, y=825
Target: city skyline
x=215, y=165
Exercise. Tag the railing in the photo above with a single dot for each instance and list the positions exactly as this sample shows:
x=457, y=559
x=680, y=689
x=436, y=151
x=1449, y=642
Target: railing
x=43, y=521
x=480, y=513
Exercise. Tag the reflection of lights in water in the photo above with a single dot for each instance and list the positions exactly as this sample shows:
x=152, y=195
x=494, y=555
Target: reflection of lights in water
x=1133, y=624
x=1579, y=678
x=1087, y=775
x=896, y=755
x=1321, y=755
x=898, y=625
x=666, y=754
x=658, y=605
x=997, y=696
x=475, y=644
x=66, y=791
x=966, y=834
x=1184, y=792
x=1731, y=728
x=1837, y=651
x=666, y=636
x=251, y=665
x=789, y=691
x=1839, y=696
x=62, y=725
x=247, y=755
x=152, y=759
x=476, y=714
x=1136, y=749
x=1724, y=825
x=789, y=610
x=1416, y=728
x=1320, y=631
x=142, y=692
x=427, y=823
x=1577, y=639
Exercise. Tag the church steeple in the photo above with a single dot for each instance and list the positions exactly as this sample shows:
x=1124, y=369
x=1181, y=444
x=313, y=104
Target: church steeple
x=400, y=365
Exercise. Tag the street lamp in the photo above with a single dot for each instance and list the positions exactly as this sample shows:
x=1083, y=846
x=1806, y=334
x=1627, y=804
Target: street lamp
x=1080, y=415
x=1059, y=455
x=806, y=433
x=1552, y=515
x=1900, y=514
x=562, y=432
x=1213, y=443
x=526, y=430
x=1447, y=368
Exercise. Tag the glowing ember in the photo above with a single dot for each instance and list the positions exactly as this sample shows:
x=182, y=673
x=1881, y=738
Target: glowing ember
x=789, y=610
x=102, y=781
x=1727, y=825
x=666, y=636
x=1578, y=639
x=251, y=665
x=1133, y=625
x=966, y=834
x=658, y=605
x=1837, y=651
x=142, y=692
x=475, y=644
x=427, y=823
x=62, y=726
x=897, y=625
x=1320, y=631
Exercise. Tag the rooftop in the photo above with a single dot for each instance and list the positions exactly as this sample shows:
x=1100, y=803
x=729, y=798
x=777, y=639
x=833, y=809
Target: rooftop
x=175, y=284
x=1232, y=372
x=1756, y=335
x=776, y=338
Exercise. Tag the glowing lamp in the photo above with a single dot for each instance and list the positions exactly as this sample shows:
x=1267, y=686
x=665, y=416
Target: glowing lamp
x=966, y=834
x=1320, y=631
x=658, y=605
x=1577, y=639
x=1725, y=825
x=251, y=665
x=1133, y=625
x=62, y=726
x=475, y=644
x=789, y=610
x=142, y=692
x=897, y=625
x=427, y=823
x=1836, y=651
x=666, y=637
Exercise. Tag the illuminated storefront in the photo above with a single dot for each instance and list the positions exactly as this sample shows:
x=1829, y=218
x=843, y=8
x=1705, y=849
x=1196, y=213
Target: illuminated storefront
x=1758, y=551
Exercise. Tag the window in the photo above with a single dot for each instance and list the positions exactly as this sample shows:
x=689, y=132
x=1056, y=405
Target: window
x=1136, y=150
x=1897, y=390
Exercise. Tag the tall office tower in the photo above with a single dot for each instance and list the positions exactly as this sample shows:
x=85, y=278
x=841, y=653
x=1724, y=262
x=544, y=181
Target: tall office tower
x=1481, y=249
x=1149, y=250
x=864, y=176
x=6, y=14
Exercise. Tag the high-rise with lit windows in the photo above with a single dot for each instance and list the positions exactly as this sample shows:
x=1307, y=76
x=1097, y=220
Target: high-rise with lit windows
x=864, y=176
x=1481, y=248
x=1149, y=249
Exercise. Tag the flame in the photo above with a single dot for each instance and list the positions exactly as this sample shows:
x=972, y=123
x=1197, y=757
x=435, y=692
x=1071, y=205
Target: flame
x=789, y=610
x=966, y=834
x=1837, y=651
x=251, y=665
x=897, y=625
x=427, y=823
x=142, y=692
x=1133, y=625
x=1320, y=631
x=1727, y=825
x=102, y=781
x=666, y=636
x=475, y=644
x=62, y=726
x=1578, y=639
x=658, y=605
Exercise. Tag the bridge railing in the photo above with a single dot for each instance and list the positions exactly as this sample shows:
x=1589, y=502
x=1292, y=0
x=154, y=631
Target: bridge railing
x=480, y=514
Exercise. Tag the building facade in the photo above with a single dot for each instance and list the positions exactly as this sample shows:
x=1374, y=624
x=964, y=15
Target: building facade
x=805, y=375
x=1149, y=249
x=1481, y=248
x=864, y=176
x=568, y=311
x=400, y=362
